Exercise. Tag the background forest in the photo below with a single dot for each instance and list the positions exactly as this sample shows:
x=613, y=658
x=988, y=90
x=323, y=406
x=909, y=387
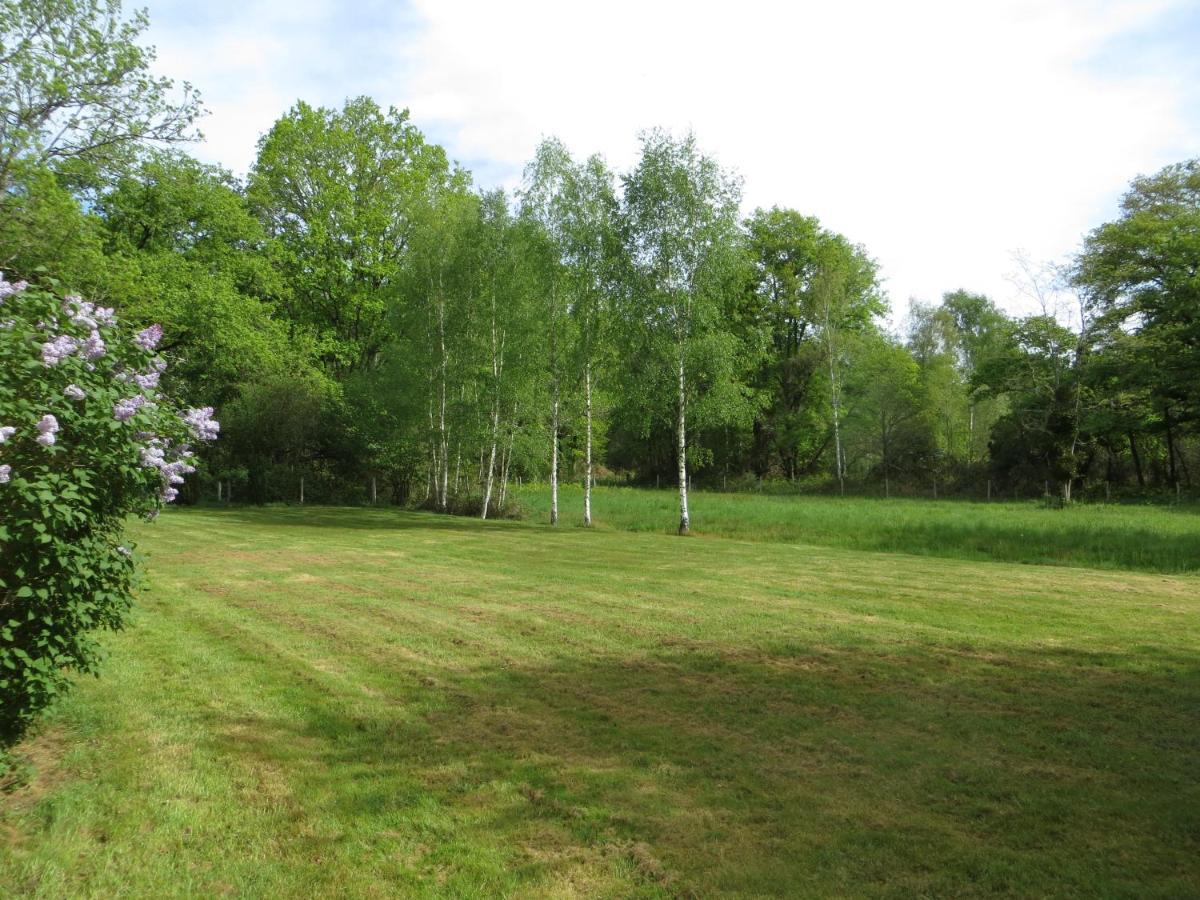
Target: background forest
x=372, y=327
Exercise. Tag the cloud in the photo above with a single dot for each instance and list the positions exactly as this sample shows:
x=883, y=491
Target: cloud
x=941, y=135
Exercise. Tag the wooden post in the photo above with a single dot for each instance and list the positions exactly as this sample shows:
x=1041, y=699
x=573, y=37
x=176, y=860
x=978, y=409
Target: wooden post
x=374, y=493
x=218, y=490
x=301, y=490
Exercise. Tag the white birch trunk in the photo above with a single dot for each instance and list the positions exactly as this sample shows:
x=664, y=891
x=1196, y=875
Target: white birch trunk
x=512, y=437
x=837, y=427
x=685, y=522
x=444, y=448
x=491, y=468
x=587, y=476
x=554, y=459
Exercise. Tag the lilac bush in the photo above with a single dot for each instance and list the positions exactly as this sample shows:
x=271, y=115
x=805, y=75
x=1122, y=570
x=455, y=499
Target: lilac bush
x=87, y=439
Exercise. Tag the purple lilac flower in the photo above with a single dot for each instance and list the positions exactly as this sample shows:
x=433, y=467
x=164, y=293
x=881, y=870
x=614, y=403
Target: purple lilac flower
x=8, y=288
x=74, y=391
x=148, y=338
x=103, y=315
x=123, y=550
x=93, y=347
x=80, y=311
x=204, y=426
x=152, y=455
x=173, y=472
x=5, y=474
x=6, y=431
x=48, y=426
x=168, y=494
x=55, y=351
x=123, y=410
x=146, y=382
x=158, y=364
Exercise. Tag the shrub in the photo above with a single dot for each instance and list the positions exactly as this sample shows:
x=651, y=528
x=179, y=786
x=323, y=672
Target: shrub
x=86, y=440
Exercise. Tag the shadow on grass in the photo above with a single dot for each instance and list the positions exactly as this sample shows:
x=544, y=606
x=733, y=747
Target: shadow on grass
x=791, y=771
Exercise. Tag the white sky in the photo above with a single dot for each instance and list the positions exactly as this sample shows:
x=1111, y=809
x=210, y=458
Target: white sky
x=941, y=134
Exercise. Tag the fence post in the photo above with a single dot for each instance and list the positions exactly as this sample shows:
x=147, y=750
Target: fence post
x=374, y=495
x=301, y=490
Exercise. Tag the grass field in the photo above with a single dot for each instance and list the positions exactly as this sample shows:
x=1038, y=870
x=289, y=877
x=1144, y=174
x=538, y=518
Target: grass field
x=1144, y=538
x=377, y=703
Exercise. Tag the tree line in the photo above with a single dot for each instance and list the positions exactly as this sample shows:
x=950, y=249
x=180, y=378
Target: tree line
x=370, y=325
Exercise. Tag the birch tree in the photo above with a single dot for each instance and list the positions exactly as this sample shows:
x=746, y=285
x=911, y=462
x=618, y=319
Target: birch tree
x=542, y=203
x=679, y=220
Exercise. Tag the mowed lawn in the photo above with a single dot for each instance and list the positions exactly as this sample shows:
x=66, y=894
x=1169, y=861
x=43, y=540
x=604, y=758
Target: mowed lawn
x=374, y=703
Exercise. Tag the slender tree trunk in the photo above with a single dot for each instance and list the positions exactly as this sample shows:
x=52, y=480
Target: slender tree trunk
x=497, y=373
x=512, y=437
x=491, y=467
x=374, y=492
x=444, y=449
x=587, y=476
x=554, y=458
x=431, y=479
x=1173, y=472
x=301, y=490
x=504, y=475
x=219, y=490
x=1137, y=460
x=836, y=402
x=685, y=523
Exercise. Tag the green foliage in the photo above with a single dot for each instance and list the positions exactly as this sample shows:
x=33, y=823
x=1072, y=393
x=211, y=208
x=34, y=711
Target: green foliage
x=1141, y=276
x=77, y=93
x=73, y=467
x=340, y=192
x=1039, y=371
x=791, y=255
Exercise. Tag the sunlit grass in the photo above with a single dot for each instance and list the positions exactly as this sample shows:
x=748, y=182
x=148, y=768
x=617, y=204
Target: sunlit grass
x=371, y=703
x=1146, y=538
